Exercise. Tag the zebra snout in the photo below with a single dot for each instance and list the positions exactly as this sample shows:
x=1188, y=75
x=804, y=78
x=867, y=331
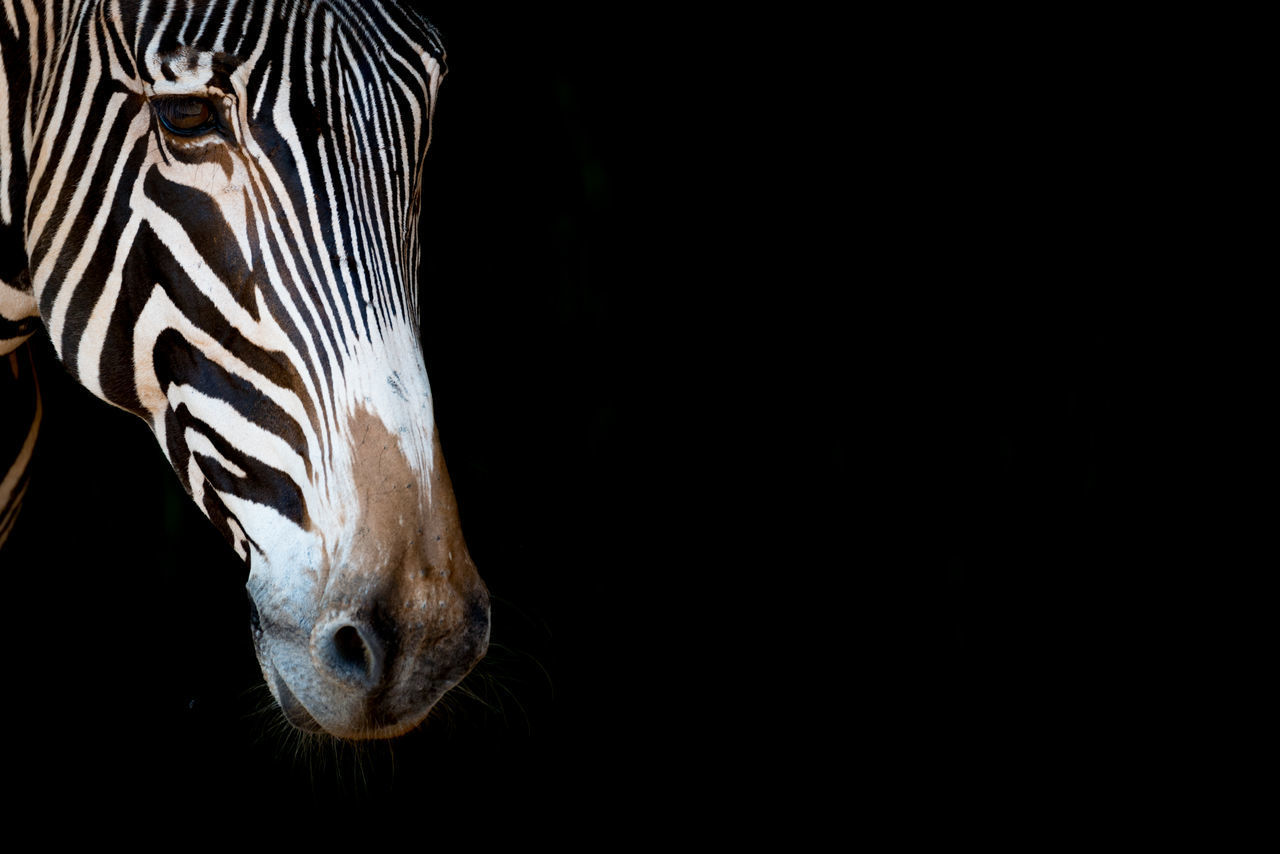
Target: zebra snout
x=370, y=666
x=349, y=650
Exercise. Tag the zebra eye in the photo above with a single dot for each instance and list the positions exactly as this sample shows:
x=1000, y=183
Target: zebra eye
x=186, y=116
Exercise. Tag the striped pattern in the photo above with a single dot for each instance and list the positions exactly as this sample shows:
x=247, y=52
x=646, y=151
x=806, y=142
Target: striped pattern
x=251, y=268
x=250, y=289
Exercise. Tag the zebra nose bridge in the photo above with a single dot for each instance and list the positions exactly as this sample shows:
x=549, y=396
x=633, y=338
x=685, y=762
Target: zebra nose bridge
x=405, y=515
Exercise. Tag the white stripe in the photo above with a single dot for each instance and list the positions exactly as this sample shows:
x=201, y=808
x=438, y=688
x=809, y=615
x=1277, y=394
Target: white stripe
x=6, y=145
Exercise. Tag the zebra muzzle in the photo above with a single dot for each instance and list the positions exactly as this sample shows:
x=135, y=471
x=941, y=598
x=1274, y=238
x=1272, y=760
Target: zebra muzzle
x=369, y=672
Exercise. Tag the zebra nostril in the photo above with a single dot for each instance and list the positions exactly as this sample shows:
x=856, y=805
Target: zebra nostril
x=348, y=651
x=350, y=648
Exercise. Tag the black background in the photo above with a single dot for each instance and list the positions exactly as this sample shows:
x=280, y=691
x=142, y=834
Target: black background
x=785, y=376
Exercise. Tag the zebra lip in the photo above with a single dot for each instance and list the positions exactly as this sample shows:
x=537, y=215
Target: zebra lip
x=294, y=711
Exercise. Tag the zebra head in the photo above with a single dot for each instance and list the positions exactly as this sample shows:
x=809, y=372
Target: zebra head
x=222, y=237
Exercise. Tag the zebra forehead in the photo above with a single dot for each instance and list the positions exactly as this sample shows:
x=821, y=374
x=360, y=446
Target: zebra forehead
x=234, y=27
x=186, y=65
x=178, y=45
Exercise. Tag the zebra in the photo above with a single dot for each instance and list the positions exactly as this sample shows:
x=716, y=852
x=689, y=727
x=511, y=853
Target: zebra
x=211, y=207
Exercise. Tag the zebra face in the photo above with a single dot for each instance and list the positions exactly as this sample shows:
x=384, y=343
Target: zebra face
x=222, y=235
